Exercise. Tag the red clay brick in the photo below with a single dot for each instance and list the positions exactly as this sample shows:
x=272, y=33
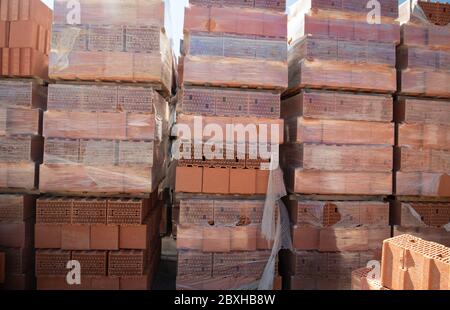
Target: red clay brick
x=216, y=180
x=52, y=262
x=189, y=179
x=243, y=181
x=243, y=238
x=189, y=238
x=75, y=237
x=126, y=263
x=216, y=239
x=88, y=211
x=54, y=210
x=262, y=180
x=93, y=263
x=133, y=237
x=14, y=234
x=104, y=237
x=47, y=236
x=135, y=283
x=105, y=283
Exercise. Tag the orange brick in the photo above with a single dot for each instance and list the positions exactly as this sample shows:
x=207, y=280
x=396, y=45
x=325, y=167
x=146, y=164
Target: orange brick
x=305, y=238
x=243, y=181
x=188, y=179
x=104, y=237
x=216, y=239
x=216, y=180
x=243, y=238
x=133, y=237
x=47, y=236
x=75, y=237
x=262, y=180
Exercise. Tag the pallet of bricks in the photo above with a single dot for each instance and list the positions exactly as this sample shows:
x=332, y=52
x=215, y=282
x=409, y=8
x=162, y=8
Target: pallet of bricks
x=422, y=114
x=24, y=45
x=233, y=70
x=338, y=151
x=106, y=132
x=408, y=263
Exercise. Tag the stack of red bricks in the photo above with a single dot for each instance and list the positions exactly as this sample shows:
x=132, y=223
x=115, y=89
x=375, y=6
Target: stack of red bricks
x=408, y=263
x=25, y=27
x=115, y=240
x=338, y=152
x=105, y=145
x=24, y=45
x=233, y=72
x=422, y=114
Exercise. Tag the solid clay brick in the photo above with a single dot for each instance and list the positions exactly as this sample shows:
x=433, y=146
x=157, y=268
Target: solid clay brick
x=243, y=238
x=134, y=282
x=305, y=238
x=105, y=283
x=75, y=237
x=243, y=181
x=53, y=283
x=216, y=239
x=189, y=238
x=133, y=237
x=104, y=237
x=47, y=236
x=14, y=234
x=188, y=179
x=216, y=180
x=262, y=180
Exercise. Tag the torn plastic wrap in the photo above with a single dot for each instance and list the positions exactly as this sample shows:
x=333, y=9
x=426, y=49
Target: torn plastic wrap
x=21, y=106
x=104, y=138
x=423, y=155
x=427, y=220
x=131, y=47
x=334, y=226
x=424, y=54
x=225, y=46
x=226, y=243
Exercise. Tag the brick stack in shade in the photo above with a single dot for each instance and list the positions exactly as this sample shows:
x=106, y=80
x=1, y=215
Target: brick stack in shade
x=25, y=34
x=116, y=241
x=338, y=151
x=25, y=27
x=233, y=70
x=105, y=145
x=422, y=179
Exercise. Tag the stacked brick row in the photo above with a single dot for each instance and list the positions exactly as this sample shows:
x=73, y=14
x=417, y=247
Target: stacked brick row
x=25, y=27
x=233, y=70
x=105, y=146
x=422, y=115
x=338, y=151
x=116, y=241
x=25, y=34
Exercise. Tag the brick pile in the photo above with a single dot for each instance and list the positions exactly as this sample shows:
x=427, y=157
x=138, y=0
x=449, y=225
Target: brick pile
x=338, y=151
x=422, y=115
x=233, y=70
x=408, y=263
x=17, y=217
x=25, y=27
x=115, y=240
x=25, y=34
x=105, y=145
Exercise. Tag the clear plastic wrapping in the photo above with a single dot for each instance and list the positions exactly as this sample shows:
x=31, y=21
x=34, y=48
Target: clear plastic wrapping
x=21, y=105
x=132, y=46
x=423, y=158
x=278, y=5
x=424, y=55
x=224, y=46
x=104, y=138
x=330, y=226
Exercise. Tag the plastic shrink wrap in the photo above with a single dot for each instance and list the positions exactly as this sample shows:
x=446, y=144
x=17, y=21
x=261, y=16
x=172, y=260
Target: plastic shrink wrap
x=228, y=47
x=104, y=139
x=111, y=41
x=337, y=45
x=424, y=53
x=21, y=106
